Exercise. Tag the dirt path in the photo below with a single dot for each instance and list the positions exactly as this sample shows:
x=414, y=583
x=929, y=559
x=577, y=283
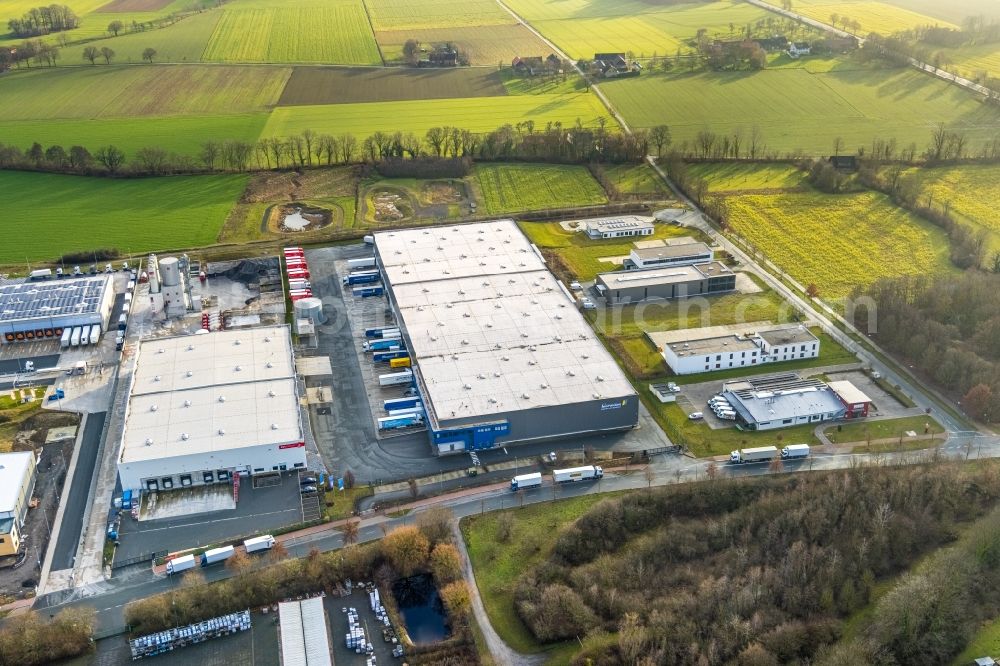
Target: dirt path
x=502, y=653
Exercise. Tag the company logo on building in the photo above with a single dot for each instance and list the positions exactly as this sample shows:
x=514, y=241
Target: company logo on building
x=291, y=446
x=608, y=406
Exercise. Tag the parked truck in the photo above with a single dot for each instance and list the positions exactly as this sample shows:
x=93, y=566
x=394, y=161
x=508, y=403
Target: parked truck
x=75, y=337
x=795, y=451
x=67, y=335
x=755, y=454
x=84, y=336
x=95, y=334
x=395, y=378
x=365, y=292
x=522, y=481
x=362, y=278
x=385, y=332
x=396, y=422
x=179, y=564
x=401, y=403
x=363, y=262
x=217, y=555
x=386, y=356
x=256, y=544
x=399, y=362
x=586, y=473
x=385, y=344
x=407, y=411
x=40, y=274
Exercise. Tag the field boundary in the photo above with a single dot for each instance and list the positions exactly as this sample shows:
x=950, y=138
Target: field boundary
x=371, y=26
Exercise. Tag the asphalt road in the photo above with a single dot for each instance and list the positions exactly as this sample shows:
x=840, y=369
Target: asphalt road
x=72, y=524
x=109, y=598
x=13, y=365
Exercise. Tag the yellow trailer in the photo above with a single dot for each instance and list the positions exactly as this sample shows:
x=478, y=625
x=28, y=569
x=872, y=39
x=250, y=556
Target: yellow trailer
x=400, y=362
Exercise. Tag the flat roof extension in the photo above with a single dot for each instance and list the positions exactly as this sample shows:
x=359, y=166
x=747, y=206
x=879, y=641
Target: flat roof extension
x=693, y=249
x=52, y=298
x=665, y=275
x=792, y=334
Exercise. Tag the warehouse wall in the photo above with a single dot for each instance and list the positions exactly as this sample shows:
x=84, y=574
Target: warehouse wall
x=256, y=459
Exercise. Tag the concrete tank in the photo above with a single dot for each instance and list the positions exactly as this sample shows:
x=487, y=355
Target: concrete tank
x=311, y=309
x=170, y=272
x=153, y=270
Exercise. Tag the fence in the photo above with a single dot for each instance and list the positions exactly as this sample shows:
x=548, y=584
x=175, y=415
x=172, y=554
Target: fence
x=147, y=557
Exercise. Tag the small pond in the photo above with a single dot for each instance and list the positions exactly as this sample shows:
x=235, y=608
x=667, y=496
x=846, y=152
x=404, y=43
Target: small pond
x=422, y=610
x=295, y=221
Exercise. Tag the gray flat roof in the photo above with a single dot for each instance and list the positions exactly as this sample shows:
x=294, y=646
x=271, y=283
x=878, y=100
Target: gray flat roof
x=603, y=224
x=765, y=406
x=666, y=275
x=490, y=328
x=727, y=343
x=787, y=335
x=672, y=251
x=52, y=298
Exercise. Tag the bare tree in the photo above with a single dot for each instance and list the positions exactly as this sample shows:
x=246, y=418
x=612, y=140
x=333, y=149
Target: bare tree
x=90, y=53
x=107, y=54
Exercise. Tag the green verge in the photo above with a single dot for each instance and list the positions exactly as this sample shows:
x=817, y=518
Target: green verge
x=859, y=431
x=497, y=565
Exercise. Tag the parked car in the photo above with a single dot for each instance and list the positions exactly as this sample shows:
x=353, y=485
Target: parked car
x=307, y=480
x=307, y=490
x=696, y=416
x=673, y=388
x=575, y=286
x=588, y=304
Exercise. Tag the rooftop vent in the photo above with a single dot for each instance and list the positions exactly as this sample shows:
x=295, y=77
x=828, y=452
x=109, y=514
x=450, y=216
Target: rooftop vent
x=570, y=373
x=524, y=395
x=189, y=373
x=267, y=338
x=156, y=378
x=184, y=436
x=532, y=362
x=465, y=342
x=505, y=358
x=270, y=394
x=148, y=442
x=187, y=403
x=481, y=376
x=492, y=401
x=597, y=396
x=159, y=351
x=543, y=386
x=496, y=374
x=238, y=343
x=222, y=431
x=238, y=368
x=274, y=426
x=599, y=378
x=190, y=347
x=270, y=365
x=153, y=408
x=222, y=398
x=467, y=387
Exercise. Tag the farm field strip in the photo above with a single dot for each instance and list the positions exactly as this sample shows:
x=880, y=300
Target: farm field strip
x=343, y=85
x=953, y=11
x=510, y=188
x=970, y=191
x=880, y=17
x=417, y=14
x=840, y=241
x=182, y=42
x=294, y=34
x=133, y=215
x=485, y=45
x=118, y=92
x=478, y=114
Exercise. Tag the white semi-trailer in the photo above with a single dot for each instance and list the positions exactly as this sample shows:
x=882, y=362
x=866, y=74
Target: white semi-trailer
x=522, y=481
x=179, y=564
x=95, y=334
x=795, y=451
x=256, y=544
x=217, y=555
x=67, y=335
x=755, y=454
x=395, y=378
x=75, y=338
x=587, y=473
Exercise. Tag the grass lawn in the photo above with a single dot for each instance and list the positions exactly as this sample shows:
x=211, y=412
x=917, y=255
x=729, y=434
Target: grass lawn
x=582, y=256
x=636, y=179
x=136, y=215
x=511, y=188
x=795, y=108
x=497, y=564
x=883, y=429
x=340, y=505
x=477, y=114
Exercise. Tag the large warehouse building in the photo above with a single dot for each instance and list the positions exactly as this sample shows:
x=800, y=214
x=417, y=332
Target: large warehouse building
x=500, y=352
x=203, y=407
x=34, y=310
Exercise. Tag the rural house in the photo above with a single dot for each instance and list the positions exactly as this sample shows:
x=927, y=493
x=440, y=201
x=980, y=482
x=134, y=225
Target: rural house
x=529, y=65
x=553, y=62
x=443, y=56
x=611, y=65
x=799, y=49
x=772, y=44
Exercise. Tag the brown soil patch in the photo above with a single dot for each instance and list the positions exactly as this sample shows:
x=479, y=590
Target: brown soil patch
x=389, y=205
x=297, y=218
x=134, y=6
x=347, y=85
x=443, y=192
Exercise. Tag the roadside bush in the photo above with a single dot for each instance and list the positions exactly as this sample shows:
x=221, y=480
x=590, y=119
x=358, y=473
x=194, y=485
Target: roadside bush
x=556, y=612
x=29, y=639
x=406, y=549
x=101, y=254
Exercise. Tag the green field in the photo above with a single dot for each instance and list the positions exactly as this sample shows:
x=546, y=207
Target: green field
x=478, y=114
x=795, y=108
x=418, y=14
x=954, y=11
x=132, y=215
x=584, y=27
x=881, y=17
x=181, y=135
x=294, y=34
x=636, y=179
x=484, y=44
x=512, y=188
x=834, y=241
x=123, y=92
x=183, y=41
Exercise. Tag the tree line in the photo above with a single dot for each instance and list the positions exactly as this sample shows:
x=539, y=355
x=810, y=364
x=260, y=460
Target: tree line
x=522, y=141
x=747, y=571
x=946, y=326
x=43, y=21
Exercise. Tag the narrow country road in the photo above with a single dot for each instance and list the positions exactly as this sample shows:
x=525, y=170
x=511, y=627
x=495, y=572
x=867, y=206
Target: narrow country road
x=501, y=652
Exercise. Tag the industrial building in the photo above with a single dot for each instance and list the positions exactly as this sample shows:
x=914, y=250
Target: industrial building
x=304, y=637
x=618, y=227
x=40, y=310
x=685, y=253
x=204, y=407
x=500, y=352
x=780, y=401
x=170, y=287
x=856, y=402
x=706, y=350
x=624, y=287
x=17, y=482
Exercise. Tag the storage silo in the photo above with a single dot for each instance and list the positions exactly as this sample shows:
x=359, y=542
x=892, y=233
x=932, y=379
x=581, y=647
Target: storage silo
x=153, y=270
x=170, y=272
x=311, y=309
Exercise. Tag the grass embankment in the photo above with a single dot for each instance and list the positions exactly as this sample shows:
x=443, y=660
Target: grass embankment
x=498, y=563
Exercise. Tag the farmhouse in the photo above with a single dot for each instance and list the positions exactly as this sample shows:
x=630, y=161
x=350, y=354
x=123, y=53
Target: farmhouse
x=717, y=348
x=685, y=252
x=854, y=399
x=780, y=401
x=442, y=56
x=500, y=352
x=797, y=49
x=623, y=287
x=617, y=227
x=772, y=44
x=532, y=65
x=611, y=65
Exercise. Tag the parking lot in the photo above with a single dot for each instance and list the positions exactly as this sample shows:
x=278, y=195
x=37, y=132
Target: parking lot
x=883, y=404
x=258, y=511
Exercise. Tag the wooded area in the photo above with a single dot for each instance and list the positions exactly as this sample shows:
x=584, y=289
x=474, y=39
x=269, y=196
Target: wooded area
x=754, y=571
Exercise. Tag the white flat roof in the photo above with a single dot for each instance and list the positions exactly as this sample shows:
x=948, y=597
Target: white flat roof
x=304, y=637
x=222, y=357
x=13, y=467
x=186, y=389
x=490, y=327
x=186, y=422
x=664, y=275
x=849, y=393
x=52, y=298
